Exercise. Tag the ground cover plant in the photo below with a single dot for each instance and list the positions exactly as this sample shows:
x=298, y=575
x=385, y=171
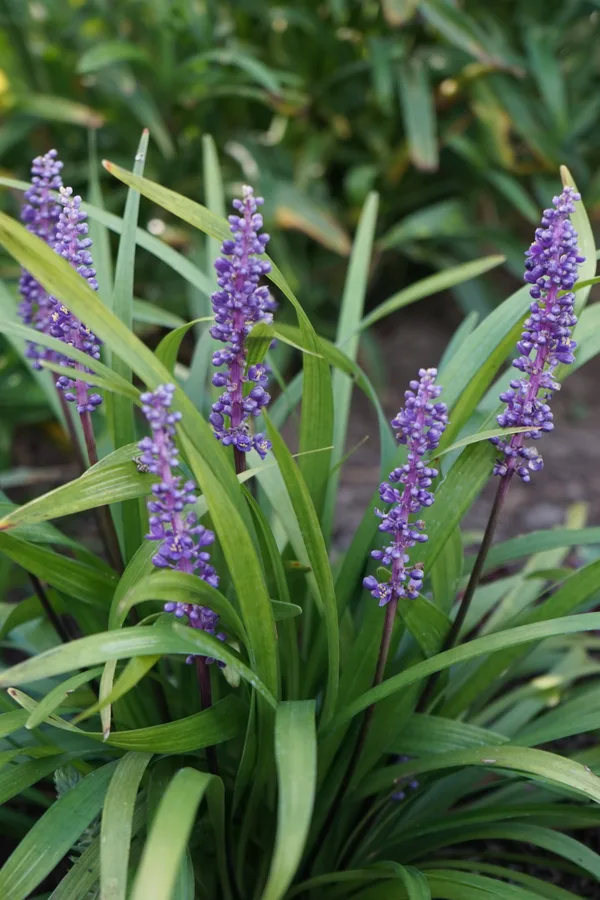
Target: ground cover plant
x=222, y=703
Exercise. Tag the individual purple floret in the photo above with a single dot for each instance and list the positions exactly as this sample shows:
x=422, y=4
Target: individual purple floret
x=40, y=214
x=419, y=425
x=183, y=540
x=73, y=244
x=551, y=268
x=238, y=305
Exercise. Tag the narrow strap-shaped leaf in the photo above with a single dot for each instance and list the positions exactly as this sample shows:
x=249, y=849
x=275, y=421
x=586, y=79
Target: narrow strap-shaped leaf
x=414, y=881
x=534, y=542
x=317, y=554
x=560, y=844
x=53, y=835
x=169, y=346
x=109, y=483
x=246, y=573
x=55, y=697
x=220, y=722
x=122, y=423
x=418, y=110
x=16, y=778
x=170, y=831
x=75, y=578
x=538, y=763
x=351, y=311
x=117, y=824
x=296, y=760
x=524, y=634
x=98, y=230
x=539, y=886
x=583, y=583
x=196, y=385
x=84, y=874
x=163, y=638
x=441, y=281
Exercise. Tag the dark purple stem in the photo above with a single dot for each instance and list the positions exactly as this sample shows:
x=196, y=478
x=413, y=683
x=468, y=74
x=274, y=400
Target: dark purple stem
x=465, y=603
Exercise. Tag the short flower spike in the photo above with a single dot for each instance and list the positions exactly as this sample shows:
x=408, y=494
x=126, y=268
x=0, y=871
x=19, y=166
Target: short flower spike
x=238, y=305
x=419, y=425
x=551, y=268
x=182, y=539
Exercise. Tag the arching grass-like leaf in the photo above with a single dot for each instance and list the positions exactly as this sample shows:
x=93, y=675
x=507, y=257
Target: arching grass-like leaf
x=489, y=644
x=53, y=835
x=117, y=824
x=296, y=760
x=170, y=832
x=317, y=555
x=109, y=483
x=168, y=638
x=246, y=574
x=351, y=311
x=538, y=763
x=121, y=410
x=433, y=284
x=75, y=578
x=220, y=722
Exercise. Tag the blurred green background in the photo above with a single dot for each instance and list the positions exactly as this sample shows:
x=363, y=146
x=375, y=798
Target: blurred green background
x=458, y=113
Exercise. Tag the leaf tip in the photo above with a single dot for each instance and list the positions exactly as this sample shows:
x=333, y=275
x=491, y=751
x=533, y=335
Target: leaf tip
x=106, y=733
x=107, y=165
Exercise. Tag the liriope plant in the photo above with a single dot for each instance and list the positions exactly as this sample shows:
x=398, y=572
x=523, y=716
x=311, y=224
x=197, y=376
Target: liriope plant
x=242, y=710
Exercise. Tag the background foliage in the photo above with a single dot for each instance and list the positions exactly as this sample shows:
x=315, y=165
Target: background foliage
x=457, y=113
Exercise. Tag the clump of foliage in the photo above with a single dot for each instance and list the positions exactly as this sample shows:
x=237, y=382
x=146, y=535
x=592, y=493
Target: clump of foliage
x=228, y=707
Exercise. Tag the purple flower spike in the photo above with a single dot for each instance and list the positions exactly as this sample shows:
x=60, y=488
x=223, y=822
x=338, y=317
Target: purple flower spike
x=419, y=425
x=73, y=244
x=238, y=305
x=40, y=214
x=183, y=540
x=551, y=268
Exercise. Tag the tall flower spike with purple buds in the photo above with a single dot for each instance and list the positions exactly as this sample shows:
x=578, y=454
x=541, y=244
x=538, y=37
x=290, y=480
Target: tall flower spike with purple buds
x=551, y=268
x=73, y=244
x=238, y=305
x=182, y=539
x=419, y=425
x=40, y=214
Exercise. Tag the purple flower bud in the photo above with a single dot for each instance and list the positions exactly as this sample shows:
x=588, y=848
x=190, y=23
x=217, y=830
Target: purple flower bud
x=181, y=537
x=419, y=425
x=238, y=306
x=551, y=266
